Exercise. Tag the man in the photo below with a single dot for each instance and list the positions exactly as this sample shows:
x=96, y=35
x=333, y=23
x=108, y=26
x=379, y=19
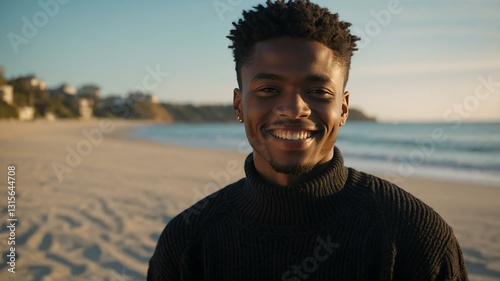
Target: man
x=300, y=214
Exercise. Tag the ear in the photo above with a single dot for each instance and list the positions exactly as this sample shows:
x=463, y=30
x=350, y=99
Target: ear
x=237, y=106
x=345, y=108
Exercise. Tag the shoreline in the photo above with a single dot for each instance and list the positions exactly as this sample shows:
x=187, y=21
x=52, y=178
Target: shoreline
x=101, y=219
x=378, y=172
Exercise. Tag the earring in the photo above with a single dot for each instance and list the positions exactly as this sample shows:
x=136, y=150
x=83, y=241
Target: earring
x=239, y=119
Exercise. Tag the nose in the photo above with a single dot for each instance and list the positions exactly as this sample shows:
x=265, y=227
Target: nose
x=292, y=106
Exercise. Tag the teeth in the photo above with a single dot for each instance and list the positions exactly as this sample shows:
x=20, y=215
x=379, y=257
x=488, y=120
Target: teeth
x=289, y=135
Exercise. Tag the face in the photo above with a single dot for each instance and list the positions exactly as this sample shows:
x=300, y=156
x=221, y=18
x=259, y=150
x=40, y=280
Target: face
x=292, y=103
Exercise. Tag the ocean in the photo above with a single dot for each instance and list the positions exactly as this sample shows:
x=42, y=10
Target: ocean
x=467, y=152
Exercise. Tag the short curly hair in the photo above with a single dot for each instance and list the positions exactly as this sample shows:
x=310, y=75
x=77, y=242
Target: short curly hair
x=295, y=19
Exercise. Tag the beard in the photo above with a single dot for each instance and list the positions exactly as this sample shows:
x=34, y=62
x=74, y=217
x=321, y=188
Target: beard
x=294, y=170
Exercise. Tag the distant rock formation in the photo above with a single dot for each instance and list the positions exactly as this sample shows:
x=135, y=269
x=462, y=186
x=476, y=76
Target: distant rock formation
x=189, y=113
x=358, y=115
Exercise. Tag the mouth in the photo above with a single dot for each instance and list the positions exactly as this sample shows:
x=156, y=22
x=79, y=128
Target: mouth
x=292, y=135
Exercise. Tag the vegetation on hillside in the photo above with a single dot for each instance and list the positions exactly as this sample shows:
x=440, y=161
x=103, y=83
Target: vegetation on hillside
x=189, y=113
x=135, y=106
x=7, y=111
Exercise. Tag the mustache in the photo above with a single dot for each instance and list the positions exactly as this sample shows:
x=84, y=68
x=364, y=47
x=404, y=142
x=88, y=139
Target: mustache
x=293, y=124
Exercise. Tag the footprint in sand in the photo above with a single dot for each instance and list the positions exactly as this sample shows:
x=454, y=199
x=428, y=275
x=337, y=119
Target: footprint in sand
x=93, y=252
x=46, y=242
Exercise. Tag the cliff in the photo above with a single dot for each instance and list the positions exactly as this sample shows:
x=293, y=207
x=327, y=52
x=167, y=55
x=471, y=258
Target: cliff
x=189, y=113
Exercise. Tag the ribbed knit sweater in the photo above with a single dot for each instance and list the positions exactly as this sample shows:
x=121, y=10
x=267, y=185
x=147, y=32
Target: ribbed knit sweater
x=339, y=224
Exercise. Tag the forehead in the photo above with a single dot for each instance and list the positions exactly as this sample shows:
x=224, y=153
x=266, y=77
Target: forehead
x=291, y=57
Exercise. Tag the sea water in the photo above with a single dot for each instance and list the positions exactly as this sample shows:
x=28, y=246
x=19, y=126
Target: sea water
x=467, y=152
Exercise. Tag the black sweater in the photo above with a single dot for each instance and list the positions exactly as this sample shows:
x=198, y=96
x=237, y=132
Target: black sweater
x=340, y=224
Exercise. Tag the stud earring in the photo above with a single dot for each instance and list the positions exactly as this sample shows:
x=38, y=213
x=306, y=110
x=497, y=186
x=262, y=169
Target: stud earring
x=239, y=119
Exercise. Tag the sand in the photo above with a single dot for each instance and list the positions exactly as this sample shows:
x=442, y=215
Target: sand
x=92, y=208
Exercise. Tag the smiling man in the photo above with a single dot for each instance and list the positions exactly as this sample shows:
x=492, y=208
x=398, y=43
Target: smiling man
x=291, y=97
x=300, y=214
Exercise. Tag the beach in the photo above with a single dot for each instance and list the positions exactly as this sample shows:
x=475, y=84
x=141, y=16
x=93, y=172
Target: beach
x=91, y=201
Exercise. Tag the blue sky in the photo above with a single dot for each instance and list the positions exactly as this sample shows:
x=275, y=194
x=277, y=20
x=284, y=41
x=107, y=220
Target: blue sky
x=424, y=63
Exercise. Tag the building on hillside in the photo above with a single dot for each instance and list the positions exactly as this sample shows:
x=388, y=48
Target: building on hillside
x=89, y=92
x=7, y=94
x=140, y=97
x=80, y=100
x=108, y=101
x=50, y=116
x=26, y=113
x=85, y=108
x=64, y=91
x=32, y=82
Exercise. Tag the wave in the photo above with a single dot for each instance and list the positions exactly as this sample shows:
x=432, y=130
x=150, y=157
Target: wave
x=471, y=149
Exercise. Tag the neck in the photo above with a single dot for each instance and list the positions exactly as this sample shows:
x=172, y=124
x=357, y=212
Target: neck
x=319, y=197
x=270, y=175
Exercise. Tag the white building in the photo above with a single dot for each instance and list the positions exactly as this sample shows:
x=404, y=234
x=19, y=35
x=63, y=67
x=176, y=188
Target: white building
x=26, y=113
x=89, y=91
x=7, y=94
x=140, y=97
x=65, y=91
x=85, y=108
x=32, y=82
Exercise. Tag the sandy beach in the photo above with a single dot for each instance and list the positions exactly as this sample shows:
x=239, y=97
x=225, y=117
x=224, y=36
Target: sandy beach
x=91, y=202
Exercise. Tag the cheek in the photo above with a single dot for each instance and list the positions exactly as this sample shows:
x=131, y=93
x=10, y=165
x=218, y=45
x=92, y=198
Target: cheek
x=255, y=111
x=330, y=115
x=253, y=115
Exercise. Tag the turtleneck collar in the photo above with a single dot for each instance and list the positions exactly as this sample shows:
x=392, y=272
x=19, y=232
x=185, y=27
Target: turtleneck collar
x=319, y=197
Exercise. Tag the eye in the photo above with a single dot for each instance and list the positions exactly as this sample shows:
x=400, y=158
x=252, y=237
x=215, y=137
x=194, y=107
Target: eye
x=321, y=93
x=267, y=91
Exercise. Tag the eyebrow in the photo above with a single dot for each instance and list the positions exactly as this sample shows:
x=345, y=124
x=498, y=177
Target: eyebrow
x=318, y=78
x=268, y=76
x=276, y=77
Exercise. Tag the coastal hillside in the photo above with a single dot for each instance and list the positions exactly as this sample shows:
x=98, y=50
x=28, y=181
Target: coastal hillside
x=189, y=113
x=27, y=98
x=358, y=115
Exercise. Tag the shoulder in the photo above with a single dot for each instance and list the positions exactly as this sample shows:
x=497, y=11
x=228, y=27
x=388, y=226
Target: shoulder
x=394, y=202
x=406, y=218
x=423, y=242
x=188, y=224
x=184, y=230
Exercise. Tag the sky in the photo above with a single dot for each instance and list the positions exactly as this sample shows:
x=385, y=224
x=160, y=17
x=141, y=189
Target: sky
x=419, y=60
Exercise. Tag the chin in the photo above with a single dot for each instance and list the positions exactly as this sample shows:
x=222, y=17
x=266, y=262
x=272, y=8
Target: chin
x=292, y=168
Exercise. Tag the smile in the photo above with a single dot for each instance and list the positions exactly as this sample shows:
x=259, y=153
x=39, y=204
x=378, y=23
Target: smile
x=291, y=135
